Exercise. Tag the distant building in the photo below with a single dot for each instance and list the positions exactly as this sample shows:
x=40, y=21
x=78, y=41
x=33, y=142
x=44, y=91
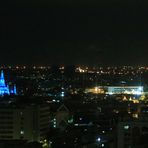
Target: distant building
x=131, y=90
x=130, y=134
x=5, y=89
x=115, y=90
x=62, y=116
x=26, y=122
x=96, y=90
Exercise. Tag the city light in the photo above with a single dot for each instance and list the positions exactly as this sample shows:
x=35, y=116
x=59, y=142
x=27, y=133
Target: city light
x=99, y=139
x=126, y=127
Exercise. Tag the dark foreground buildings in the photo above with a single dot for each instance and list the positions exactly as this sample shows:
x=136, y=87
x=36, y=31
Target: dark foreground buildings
x=73, y=110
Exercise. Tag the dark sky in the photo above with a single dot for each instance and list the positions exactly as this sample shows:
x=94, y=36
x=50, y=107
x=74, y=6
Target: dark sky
x=90, y=32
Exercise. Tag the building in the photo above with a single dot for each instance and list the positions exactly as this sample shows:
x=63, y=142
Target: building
x=130, y=134
x=60, y=117
x=129, y=90
x=117, y=90
x=95, y=90
x=5, y=89
x=26, y=122
x=133, y=133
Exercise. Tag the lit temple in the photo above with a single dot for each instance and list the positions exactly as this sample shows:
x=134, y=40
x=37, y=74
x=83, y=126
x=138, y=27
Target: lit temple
x=4, y=89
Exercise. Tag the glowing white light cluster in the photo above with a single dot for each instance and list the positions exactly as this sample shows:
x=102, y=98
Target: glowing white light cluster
x=62, y=94
x=99, y=139
x=131, y=90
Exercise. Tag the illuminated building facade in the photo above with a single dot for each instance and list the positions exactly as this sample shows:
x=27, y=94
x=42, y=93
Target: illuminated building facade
x=115, y=90
x=131, y=90
x=4, y=89
x=95, y=90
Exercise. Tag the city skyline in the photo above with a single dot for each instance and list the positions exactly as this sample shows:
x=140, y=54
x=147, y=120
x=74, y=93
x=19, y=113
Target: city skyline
x=74, y=74
x=70, y=106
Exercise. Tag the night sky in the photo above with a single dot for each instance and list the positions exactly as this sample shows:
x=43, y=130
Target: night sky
x=74, y=32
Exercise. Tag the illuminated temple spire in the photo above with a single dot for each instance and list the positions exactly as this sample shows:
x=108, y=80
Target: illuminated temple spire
x=4, y=89
x=2, y=80
x=14, y=90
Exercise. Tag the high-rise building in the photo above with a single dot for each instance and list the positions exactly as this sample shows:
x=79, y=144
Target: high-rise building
x=27, y=122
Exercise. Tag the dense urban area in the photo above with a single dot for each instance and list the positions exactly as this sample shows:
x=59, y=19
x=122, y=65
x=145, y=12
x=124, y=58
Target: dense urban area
x=73, y=107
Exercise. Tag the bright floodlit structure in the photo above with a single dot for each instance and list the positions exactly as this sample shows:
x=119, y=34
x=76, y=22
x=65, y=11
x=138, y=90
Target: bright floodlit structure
x=4, y=89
